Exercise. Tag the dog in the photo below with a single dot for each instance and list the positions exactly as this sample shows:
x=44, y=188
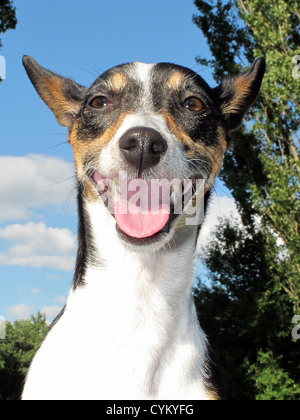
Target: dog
x=129, y=329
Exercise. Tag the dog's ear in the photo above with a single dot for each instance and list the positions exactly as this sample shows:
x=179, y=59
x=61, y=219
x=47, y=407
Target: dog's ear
x=236, y=95
x=63, y=96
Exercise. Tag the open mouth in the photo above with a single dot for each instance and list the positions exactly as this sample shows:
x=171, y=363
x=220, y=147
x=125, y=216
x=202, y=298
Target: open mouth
x=144, y=210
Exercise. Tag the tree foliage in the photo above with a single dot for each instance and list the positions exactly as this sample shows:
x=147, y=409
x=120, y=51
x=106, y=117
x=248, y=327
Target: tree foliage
x=242, y=316
x=265, y=155
x=271, y=381
x=22, y=339
x=8, y=18
x=262, y=170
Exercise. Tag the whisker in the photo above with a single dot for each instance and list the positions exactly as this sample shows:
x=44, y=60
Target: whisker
x=60, y=182
x=53, y=147
x=93, y=72
x=68, y=199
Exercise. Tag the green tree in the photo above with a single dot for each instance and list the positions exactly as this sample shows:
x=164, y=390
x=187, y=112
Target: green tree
x=242, y=318
x=265, y=154
x=8, y=18
x=262, y=171
x=22, y=339
x=227, y=308
x=272, y=382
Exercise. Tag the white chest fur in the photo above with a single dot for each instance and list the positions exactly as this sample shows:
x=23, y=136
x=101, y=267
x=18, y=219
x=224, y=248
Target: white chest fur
x=131, y=332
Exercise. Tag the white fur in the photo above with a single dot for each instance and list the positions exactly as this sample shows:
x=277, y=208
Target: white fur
x=142, y=72
x=130, y=333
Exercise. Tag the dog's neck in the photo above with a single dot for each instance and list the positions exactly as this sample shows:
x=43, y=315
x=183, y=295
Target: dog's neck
x=169, y=270
x=153, y=287
x=141, y=303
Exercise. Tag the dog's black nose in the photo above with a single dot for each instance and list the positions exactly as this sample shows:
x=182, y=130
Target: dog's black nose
x=143, y=147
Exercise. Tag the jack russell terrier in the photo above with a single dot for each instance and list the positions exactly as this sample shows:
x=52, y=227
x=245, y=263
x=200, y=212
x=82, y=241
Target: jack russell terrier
x=148, y=142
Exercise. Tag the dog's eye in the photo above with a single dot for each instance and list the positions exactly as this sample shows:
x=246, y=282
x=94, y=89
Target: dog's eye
x=193, y=104
x=100, y=102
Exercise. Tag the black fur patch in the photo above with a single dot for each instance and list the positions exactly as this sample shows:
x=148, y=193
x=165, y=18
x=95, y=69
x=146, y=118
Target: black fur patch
x=86, y=253
x=92, y=123
x=200, y=127
x=213, y=380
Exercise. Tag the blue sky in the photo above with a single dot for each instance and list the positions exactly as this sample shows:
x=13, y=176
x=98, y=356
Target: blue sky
x=38, y=201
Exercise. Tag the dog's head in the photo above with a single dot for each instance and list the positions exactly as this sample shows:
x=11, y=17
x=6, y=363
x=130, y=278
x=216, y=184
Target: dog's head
x=148, y=139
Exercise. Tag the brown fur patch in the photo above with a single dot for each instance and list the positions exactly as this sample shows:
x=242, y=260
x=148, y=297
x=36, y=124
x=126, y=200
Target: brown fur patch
x=213, y=396
x=213, y=153
x=223, y=138
x=185, y=140
x=51, y=91
x=176, y=80
x=82, y=149
x=117, y=82
x=241, y=87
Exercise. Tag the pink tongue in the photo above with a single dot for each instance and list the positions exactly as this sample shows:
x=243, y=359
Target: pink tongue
x=142, y=211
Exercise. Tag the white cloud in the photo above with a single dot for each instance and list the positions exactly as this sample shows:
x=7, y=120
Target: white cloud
x=220, y=207
x=37, y=245
x=60, y=299
x=35, y=291
x=51, y=312
x=33, y=181
x=23, y=311
x=20, y=311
